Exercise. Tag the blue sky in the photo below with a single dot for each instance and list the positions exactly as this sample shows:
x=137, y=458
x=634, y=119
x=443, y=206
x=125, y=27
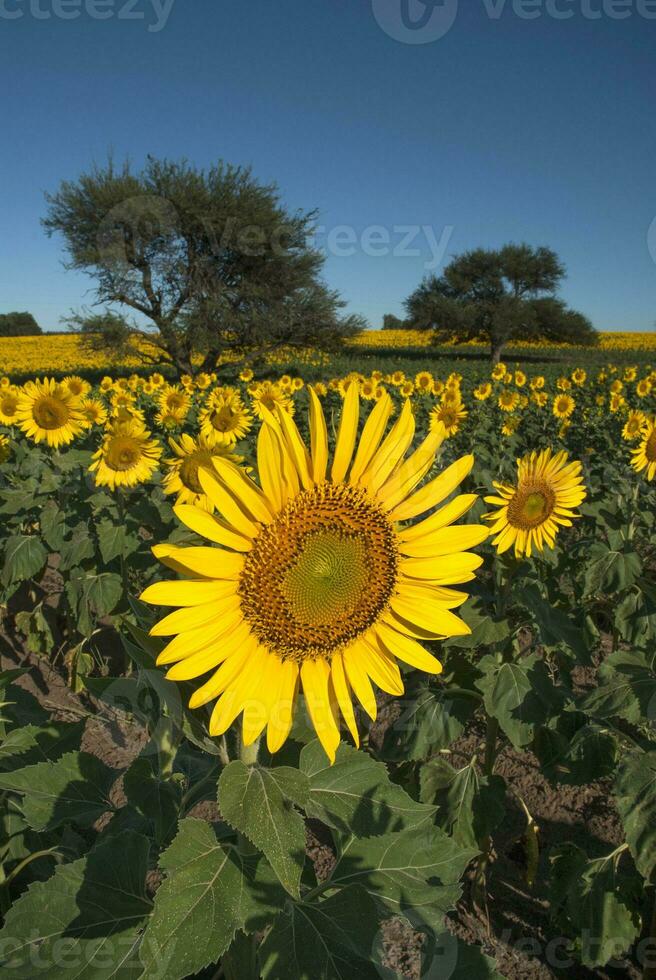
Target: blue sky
x=504, y=129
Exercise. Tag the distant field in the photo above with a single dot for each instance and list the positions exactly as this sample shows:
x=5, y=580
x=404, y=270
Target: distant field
x=22, y=357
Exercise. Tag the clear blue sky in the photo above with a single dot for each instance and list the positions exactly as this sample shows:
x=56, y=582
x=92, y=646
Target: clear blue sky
x=504, y=129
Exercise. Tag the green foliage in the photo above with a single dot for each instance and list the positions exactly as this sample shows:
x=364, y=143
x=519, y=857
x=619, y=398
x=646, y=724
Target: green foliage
x=18, y=325
x=497, y=296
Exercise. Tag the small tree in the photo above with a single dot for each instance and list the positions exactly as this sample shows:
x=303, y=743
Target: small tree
x=209, y=260
x=392, y=322
x=18, y=325
x=497, y=296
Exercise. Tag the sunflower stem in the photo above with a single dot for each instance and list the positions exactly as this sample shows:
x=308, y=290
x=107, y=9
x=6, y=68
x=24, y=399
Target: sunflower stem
x=248, y=753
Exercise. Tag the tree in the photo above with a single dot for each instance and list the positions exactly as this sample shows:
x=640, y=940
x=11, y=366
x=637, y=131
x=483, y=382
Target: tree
x=392, y=322
x=18, y=325
x=497, y=296
x=207, y=260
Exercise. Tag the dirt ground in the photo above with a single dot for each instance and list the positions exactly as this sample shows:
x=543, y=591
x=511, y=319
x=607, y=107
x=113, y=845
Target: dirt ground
x=515, y=928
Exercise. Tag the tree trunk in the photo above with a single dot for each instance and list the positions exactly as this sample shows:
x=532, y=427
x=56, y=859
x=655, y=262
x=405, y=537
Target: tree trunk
x=496, y=349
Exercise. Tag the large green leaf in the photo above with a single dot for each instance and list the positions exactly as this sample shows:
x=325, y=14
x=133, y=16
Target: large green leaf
x=254, y=801
x=356, y=796
x=417, y=870
x=635, y=796
x=156, y=799
x=25, y=556
x=610, y=570
x=115, y=539
x=207, y=895
x=432, y=718
x=596, y=901
x=469, y=806
x=329, y=940
x=30, y=744
x=520, y=695
x=84, y=922
x=75, y=788
x=575, y=751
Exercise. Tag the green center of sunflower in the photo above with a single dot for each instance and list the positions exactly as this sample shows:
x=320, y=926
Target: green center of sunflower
x=50, y=413
x=122, y=453
x=321, y=574
x=531, y=506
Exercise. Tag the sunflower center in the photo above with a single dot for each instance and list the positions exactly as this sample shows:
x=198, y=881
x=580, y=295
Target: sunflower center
x=50, y=413
x=9, y=404
x=123, y=453
x=650, y=447
x=531, y=505
x=189, y=470
x=321, y=574
x=224, y=419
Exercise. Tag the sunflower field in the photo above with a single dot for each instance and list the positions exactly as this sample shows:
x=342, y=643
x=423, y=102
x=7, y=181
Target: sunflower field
x=329, y=676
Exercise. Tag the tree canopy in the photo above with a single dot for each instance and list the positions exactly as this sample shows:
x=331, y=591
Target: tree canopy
x=206, y=261
x=495, y=296
x=18, y=325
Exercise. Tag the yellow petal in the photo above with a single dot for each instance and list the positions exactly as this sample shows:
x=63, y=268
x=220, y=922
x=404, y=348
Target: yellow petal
x=231, y=702
x=270, y=467
x=296, y=448
x=391, y=452
x=446, y=515
x=382, y=669
x=318, y=438
x=343, y=694
x=434, y=492
x=347, y=433
x=445, y=541
x=281, y=715
x=404, y=479
x=372, y=433
x=243, y=489
x=193, y=641
x=430, y=616
x=208, y=562
x=446, y=570
x=226, y=674
x=358, y=678
x=257, y=709
x=407, y=649
x=226, y=504
x=187, y=592
x=211, y=527
x=315, y=677
x=193, y=617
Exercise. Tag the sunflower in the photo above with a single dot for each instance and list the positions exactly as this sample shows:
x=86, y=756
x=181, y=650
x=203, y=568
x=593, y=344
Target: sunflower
x=499, y=371
x=483, y=391
x=508, y=401
x=563, y=406
x=633, y=425
x=643, y=388
x=9, y=398
x=182, y=476
x=520, y=379
x=94, y=411
x=76, y=385
x=579, y=377
x=537, y=383
x=449, y=415
x=224, y=420
x=269, y=396
x=126, y=457
x=644, y=457
x=173, y=405
x=48, y=412
x=5, y=449
x=540, y=398
x=367, y=389
x=530, y=513
x=317, y=584
x=424, y=383
x=510, y=425
x=246, y=375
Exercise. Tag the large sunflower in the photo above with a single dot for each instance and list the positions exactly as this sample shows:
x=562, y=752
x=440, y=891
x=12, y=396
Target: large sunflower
x=126, y=457
x=644, y=457
x=318, y=581
x=48, y=412
x=9, y=398
x=530, y=513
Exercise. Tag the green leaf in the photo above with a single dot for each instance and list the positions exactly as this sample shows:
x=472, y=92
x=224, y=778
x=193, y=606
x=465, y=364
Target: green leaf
x=329, y=940
x=417, y=871
x=75, y=788
x=115, y=540
x=520, y=695
x=25, y=556
x=84, y=922
x=611, y=571
x=597, y=902
x=469, y=806
x=627, y=689
x=555, y=626
x=208, y=894
x=31, y=744
x=575, y=752
x=158, y=800
x=431, y=720
x=356, y=796
x=53, y=525
x=252, y=801
x=635, y=796
x=77, y=549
